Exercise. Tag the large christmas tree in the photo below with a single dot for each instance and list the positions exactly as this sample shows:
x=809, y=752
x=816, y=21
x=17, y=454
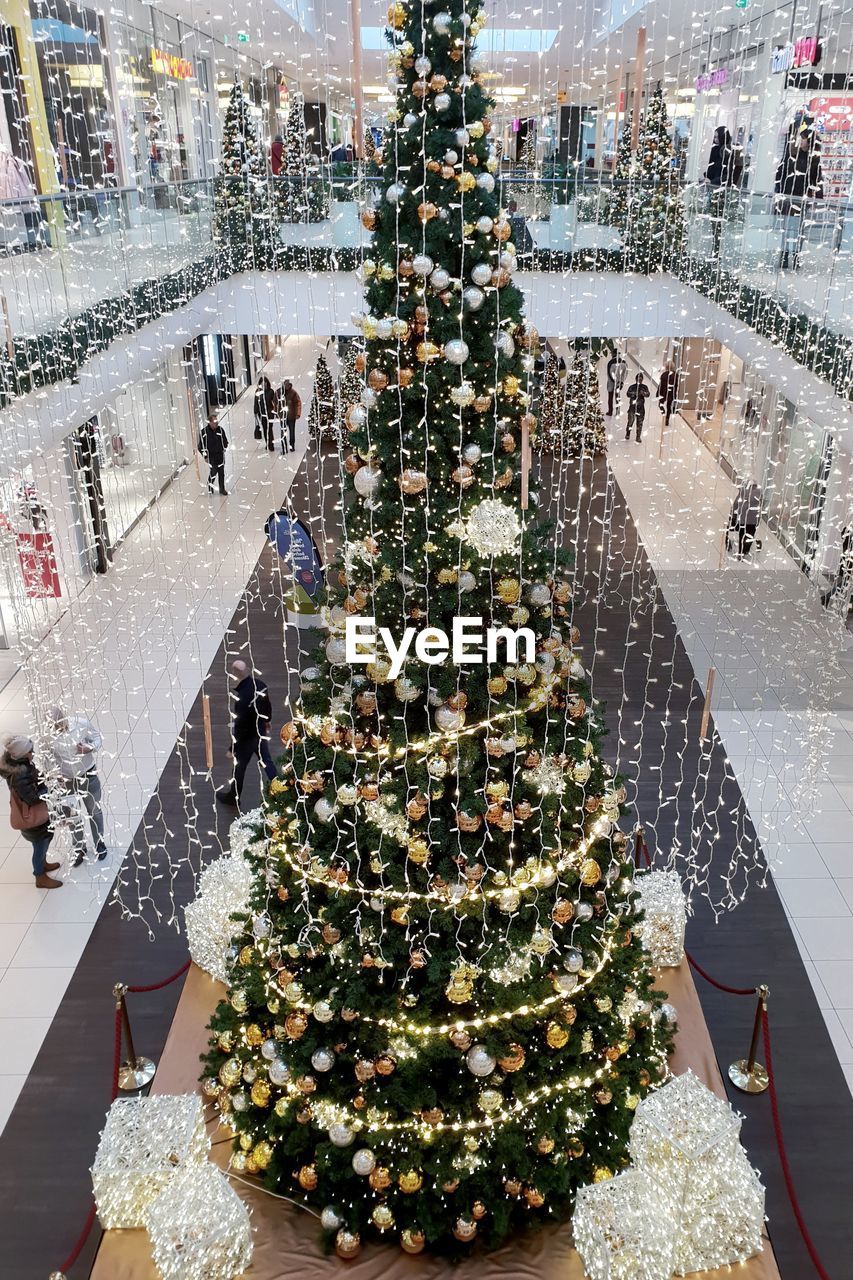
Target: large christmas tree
x=242, y=225
x=440, y=1018
x=552, y=404
x=584, y=432
x=654, y=228
x=300, y=195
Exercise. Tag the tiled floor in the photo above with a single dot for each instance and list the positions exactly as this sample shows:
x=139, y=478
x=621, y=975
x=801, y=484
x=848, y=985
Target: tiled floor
x=141, y=638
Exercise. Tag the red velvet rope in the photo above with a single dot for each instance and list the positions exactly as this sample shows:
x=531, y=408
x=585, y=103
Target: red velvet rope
x=158, y=986
x=783, y=1155
x=721, y=986
x=81, y=1240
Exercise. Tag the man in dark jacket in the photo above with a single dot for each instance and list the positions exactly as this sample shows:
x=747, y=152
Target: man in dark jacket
x=212, y=445
x=616, y=371
x=291, y=410
x=638, y=394
x=250, y=728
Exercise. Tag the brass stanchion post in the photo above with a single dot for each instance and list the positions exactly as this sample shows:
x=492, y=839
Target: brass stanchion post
x=746, y=1074
x=136, y=1072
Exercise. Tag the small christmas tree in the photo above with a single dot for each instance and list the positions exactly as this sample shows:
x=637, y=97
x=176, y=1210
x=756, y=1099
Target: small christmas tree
x=299, y=190
x=552, y=400
x=655, y=226
x=242, y=228
x=323, y=413
x=350, y=385
x=622, y=175
x=583, y=431
x=528, y=149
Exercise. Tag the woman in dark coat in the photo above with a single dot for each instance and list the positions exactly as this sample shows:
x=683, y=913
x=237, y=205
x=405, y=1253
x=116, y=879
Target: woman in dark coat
x=721, y=174
x=266, y=411
x=27, y=792
x=799, y=179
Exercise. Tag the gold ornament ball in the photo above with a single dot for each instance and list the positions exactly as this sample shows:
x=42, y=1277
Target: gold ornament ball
x=385, y=1064
x=466, y=181
x=590, y=872
x=509, y=591
x=556, y=1035
x=511, y=385
x=411, y=1181
x=478, y=1210
x=451, y=1185
x=347, y=1243
x=306, y=1177
x=513, y=1059
x=295, y=1025
x=546, y=1144
x=575, y=1148
x=261, y=1093
x=432, y=1115
x=534, y=1197
x=412, y=1240
x=254, y=1035
x=397, y=14
x=465, y=1229
x=497, y=685
x=512, y=1187
x=427, y=211
x=602, y=1174
x=426, y=351
x=380, y=1178
x=604, y=1097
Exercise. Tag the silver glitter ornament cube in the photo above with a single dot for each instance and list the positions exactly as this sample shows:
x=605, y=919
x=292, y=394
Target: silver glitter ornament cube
x=620, y=1232
x=143, y=1143
x=685, y=1144
x=664, y=906
x=199, y=1227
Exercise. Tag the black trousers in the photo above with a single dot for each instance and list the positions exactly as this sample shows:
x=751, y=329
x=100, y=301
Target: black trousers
x=288, y=431
x=611, y=392
x=244, y=753
x=217, y=472
x=633, y=417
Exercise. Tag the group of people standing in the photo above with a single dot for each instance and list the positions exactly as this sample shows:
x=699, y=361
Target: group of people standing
x=75, y=747
x=638, y=392
x=271, y=406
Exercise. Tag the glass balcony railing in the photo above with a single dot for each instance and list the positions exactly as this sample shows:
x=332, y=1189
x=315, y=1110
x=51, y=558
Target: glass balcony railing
x=80, y=263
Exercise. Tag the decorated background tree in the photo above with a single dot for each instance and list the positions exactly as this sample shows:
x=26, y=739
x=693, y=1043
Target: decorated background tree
x=242, y=225
x=622, y=175
x=655, y=223
x=299, y=188
x=552, y=405
x=439, y=1019
x=350, y=385
x=323, y=414
x=584, y=432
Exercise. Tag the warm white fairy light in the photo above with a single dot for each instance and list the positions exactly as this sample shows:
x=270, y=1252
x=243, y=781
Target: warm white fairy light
x=224, y=889
x=144, y=1142
x=620, y=1231
x=199, y=1227
x=665, y=916
x=685, y=1145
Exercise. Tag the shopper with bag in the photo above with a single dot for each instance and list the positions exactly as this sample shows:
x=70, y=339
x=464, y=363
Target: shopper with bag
x=291, y=411
x=28, y=812
x=266, y=411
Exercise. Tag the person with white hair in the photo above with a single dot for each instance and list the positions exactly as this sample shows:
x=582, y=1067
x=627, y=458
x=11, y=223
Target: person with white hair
x=28, y=812
x=251, y=717
x=75, y=749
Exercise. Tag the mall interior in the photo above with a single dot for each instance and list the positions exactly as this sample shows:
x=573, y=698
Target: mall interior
x=534, y=316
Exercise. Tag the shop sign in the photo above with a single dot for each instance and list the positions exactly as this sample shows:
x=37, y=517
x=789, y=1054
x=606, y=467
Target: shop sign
x=713, y=80
x=293, y=541
x=170, y=64
x=832, y=114
x=38, y=566
x=804, y=52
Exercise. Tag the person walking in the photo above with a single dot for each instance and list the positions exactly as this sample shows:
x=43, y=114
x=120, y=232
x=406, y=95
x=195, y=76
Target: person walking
x=75, y=749
x=667, y=391
x=799, y=181
x=842, y=583
x=212, y=444
x=725, y=169
x=291, y=411
x=266, y=411
x=638, y=394
x=28, y=811
x=617, y=371
x=745, y=517
x=250, y=729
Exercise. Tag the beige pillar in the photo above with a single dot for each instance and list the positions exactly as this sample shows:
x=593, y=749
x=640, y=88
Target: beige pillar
x=639, y=76
x=358, y=121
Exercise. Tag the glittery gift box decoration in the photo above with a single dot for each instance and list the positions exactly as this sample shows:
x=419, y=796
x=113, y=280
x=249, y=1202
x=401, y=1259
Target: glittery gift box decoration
x=144, y=1141
x=663, y=903
x=199, y=1227
x=685, y=1144
x=620, y=1233
x=224, y=889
